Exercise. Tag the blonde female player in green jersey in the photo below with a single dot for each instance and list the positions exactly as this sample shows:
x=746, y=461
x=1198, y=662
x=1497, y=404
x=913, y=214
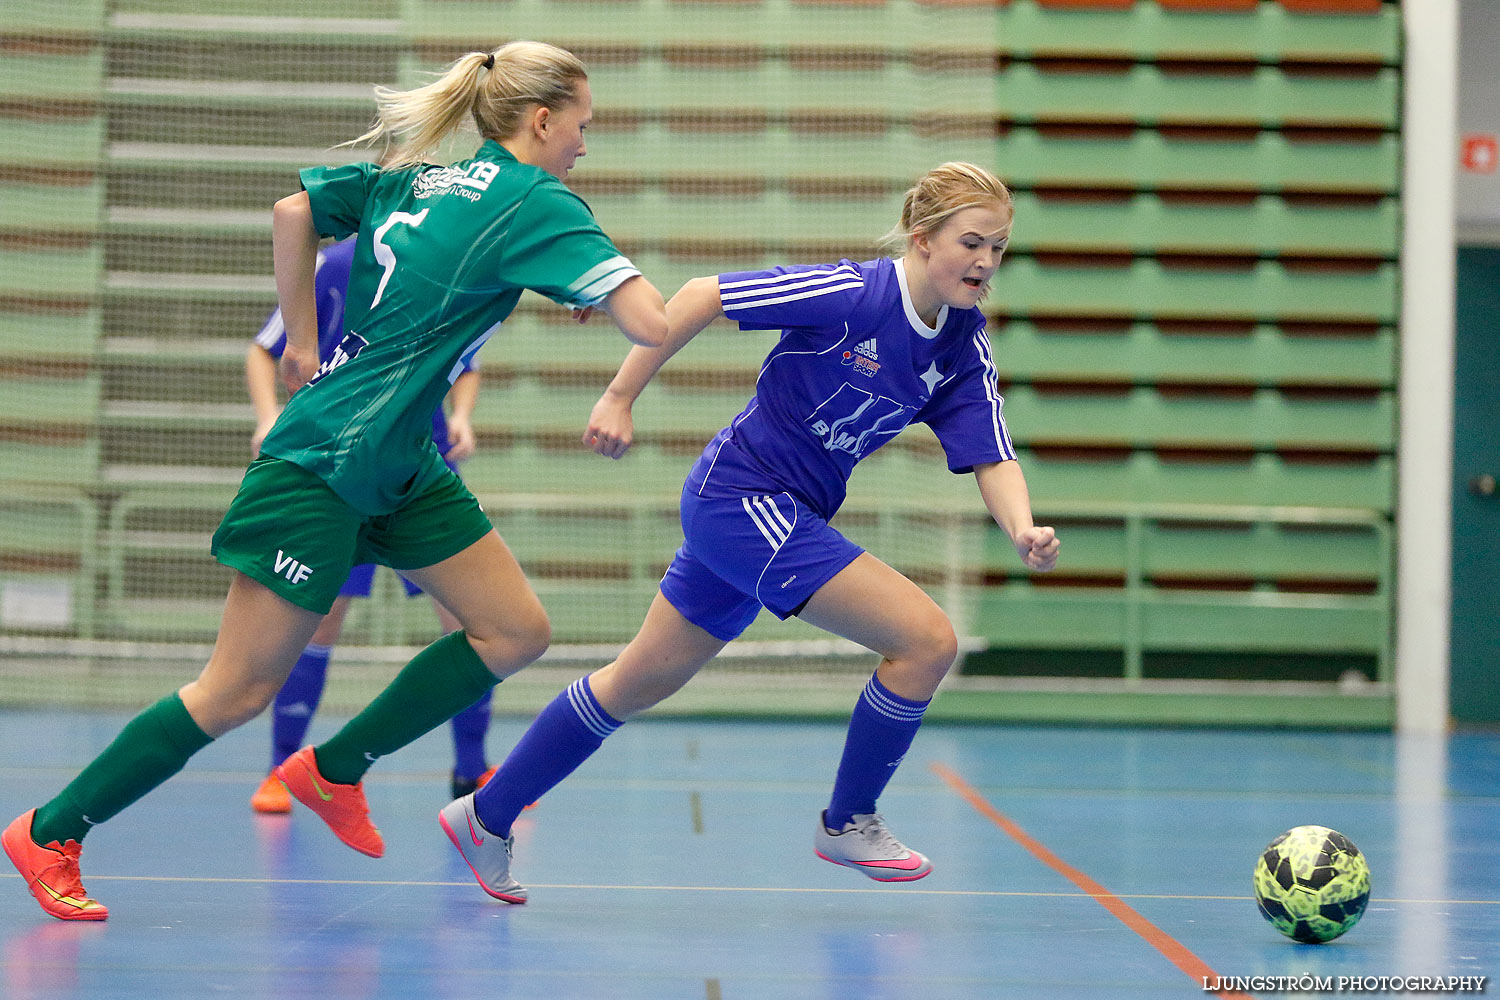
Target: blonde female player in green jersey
x=349, y=473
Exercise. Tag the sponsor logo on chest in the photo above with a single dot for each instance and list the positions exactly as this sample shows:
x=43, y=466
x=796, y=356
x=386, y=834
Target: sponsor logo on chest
x=863, y=358
x=468, y=182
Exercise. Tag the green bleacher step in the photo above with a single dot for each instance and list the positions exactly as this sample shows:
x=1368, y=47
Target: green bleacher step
x=74, y=20
x=1144, y=417
x=1259, y=551
x=1143, y=353
x=72, y=141
x=1266, y=479
x=73, y=204
x=29, y=334
x=1146, y=94
x=65, y=461
x=50, y=399
x=73, y=73
x=771, y=23
x=1183, y=621
x=60, y=273
x=1148, y=31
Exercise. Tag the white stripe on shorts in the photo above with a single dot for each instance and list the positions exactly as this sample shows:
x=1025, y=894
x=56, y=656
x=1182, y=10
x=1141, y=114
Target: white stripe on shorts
x=779, y=525
x=768, y=527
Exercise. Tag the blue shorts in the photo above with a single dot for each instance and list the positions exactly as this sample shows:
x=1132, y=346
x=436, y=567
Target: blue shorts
x=744, y=553
x=361, y=577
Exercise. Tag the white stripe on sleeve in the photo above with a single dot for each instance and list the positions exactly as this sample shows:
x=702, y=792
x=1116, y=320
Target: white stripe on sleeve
x=736, y=290
x=597, y=282
x=792, y=277
x=273, y=331
x=734, y=307
x=992, y=391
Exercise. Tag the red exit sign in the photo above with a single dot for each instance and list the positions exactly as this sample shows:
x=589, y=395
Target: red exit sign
x=1480, y=152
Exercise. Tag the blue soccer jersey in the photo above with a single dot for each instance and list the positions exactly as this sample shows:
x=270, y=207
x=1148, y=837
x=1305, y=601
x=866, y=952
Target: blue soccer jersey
x=855, y=364
x=331, y=284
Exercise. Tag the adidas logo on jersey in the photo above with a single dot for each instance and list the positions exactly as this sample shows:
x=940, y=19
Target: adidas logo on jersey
x=863, y=358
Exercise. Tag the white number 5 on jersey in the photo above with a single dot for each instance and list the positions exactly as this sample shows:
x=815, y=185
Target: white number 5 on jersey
x=384, y=255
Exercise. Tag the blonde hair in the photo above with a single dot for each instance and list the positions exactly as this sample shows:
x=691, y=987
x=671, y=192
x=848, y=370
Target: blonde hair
x=942, y=193
x=494, y=88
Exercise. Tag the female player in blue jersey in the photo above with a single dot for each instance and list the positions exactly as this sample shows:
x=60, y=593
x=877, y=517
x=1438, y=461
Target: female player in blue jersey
x=866, y=348
x=350, y=474
x=453, y=433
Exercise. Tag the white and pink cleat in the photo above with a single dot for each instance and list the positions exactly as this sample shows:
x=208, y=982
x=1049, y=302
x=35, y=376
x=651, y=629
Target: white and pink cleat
x=867, y=845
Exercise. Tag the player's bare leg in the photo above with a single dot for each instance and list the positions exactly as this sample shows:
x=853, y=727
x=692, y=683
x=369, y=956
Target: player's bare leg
x=260, y=637
x=488, y=595
x=664, y=655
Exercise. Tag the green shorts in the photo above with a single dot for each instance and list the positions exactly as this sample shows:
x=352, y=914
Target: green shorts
x=288, y=530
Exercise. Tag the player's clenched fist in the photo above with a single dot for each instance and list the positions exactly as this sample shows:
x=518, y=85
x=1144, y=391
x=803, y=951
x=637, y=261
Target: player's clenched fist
x=1038, y=547
x=611, y=428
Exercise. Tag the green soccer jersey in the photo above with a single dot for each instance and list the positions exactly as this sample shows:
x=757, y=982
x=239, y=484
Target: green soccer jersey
x=442, y=256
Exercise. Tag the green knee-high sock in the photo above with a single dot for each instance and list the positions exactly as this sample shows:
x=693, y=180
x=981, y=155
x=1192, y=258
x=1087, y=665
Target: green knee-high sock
x=150, y=749
x=440, y=681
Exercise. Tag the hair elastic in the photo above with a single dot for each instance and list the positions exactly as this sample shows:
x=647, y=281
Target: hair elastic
x=489, y=61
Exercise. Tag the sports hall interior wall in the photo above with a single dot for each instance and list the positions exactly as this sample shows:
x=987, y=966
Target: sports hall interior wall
x=1195, y=327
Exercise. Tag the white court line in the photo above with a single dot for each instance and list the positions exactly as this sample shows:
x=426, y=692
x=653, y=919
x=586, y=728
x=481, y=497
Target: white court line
x=906, y=891
x=752, y=785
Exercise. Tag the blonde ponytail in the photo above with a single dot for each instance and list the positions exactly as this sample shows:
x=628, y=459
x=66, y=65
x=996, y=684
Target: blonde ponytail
x=942, y=193
x=494, y=88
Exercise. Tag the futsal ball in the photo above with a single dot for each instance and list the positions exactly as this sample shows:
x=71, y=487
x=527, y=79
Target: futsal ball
x=1312, y=884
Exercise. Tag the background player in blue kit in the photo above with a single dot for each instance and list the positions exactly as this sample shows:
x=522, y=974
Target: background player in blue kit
x=866, y=348
x=453, y=434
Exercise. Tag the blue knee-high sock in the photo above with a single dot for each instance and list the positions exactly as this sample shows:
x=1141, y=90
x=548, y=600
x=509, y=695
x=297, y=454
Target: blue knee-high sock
x=469, y=728
x=880, y=733
x=297, y=701
x=564, y=735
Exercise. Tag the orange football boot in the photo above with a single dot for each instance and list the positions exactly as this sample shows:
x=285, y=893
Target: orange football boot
x=271, y=797
x=51, y=872
x=342, y=807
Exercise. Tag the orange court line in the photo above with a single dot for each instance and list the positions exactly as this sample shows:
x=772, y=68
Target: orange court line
x=1174, y=951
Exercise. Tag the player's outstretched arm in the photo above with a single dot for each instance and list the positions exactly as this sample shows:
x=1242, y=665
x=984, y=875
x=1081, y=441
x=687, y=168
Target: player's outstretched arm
x=294, y=251
x=611, y=428
x=637, y=309
x=1003, y=488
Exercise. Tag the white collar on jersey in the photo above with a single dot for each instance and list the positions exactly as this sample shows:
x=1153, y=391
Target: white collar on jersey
x=922, y=329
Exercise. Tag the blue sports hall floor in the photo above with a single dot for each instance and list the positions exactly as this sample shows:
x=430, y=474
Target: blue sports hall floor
x=678, y=863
